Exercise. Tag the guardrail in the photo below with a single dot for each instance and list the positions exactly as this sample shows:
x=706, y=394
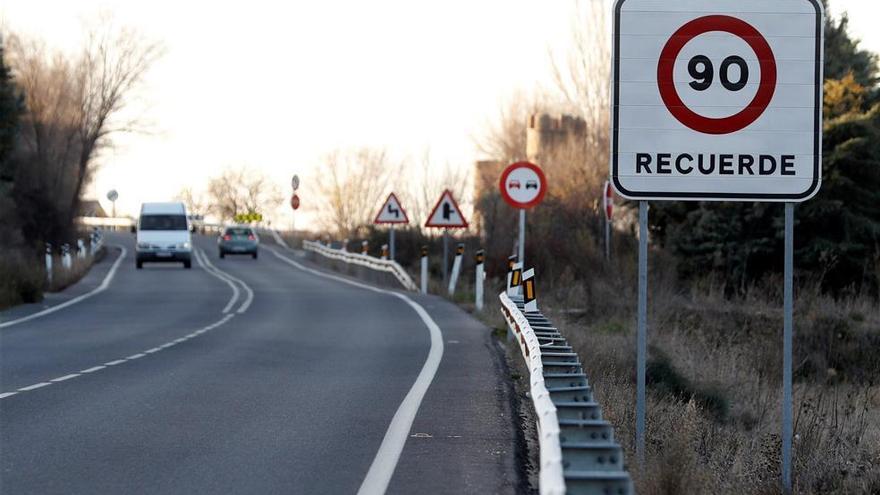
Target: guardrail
x=377, y=264
x=578, y=454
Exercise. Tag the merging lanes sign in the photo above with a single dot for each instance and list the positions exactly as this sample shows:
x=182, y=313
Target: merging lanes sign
x=391, y=212
x=446, y=214
x=717, y=100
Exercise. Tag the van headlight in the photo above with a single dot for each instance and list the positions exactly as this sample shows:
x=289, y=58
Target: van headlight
x=185, y=246
x=143, y=245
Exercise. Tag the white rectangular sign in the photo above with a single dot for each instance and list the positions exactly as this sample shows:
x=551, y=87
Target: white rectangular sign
x=717, y=99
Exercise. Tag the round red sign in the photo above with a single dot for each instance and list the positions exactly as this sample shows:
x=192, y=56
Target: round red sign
x=736, y=27
x=294, y=201
x=523, y=185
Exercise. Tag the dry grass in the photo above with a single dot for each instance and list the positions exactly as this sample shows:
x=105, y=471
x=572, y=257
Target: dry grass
x=23, y=278
x=714, y=405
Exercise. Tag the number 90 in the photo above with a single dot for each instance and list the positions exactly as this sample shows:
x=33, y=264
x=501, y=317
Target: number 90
x=700, y=68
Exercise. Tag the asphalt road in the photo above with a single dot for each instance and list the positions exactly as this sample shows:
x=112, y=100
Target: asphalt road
x=262, y=378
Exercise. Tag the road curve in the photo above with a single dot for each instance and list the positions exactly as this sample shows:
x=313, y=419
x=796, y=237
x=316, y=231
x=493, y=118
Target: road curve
x=160, y=385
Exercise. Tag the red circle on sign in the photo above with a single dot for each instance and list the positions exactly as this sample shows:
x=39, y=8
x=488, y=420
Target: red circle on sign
x=294, y=201
x=541, y=192
x=736, y=27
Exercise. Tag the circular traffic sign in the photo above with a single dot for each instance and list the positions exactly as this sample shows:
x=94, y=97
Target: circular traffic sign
x=294, y=201
x=112, y=195
x=701, y=67
x=523, y=185
x=294, y=182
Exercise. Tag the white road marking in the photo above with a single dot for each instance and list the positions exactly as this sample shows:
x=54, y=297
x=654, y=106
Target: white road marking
x=34, y=387
x=93, y=369
x=135, y=356
x=385, y=462
x=7, y=394
x=154, y=349
x=250, y=293
x=65, y=377
x=235, y=291
x=101, y=288
x=114, y=363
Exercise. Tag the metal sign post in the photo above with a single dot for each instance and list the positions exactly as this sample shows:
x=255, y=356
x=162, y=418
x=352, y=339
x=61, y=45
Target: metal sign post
x=717, y=101
x=445, y=256
x=642, y=344
x=523, y=186
x=391, y=241
x=608, y=203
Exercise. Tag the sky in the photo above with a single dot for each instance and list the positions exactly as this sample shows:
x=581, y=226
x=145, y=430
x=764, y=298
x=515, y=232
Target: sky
x=275, y=85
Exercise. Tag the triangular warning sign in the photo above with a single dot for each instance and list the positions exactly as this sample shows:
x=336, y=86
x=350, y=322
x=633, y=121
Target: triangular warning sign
x=391, y=212
x=446, y=214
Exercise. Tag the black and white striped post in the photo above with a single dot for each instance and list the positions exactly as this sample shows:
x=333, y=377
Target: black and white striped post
x=456, y=268
x=480, y=275
x=424, y=270
x=530, y=300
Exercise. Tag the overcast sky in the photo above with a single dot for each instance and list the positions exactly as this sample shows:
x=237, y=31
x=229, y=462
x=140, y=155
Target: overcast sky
x=274, y=85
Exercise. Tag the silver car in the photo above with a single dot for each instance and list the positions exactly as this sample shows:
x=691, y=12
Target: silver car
x=238, y=240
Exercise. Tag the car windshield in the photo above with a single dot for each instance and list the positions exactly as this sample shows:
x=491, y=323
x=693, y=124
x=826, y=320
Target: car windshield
x=238, y=231
x=163, y=222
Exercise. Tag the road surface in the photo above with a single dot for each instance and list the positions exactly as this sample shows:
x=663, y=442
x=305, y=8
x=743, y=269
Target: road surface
x=256, y=376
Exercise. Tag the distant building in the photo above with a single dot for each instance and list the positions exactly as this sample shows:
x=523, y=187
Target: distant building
x=91, y=208
x=546, y=134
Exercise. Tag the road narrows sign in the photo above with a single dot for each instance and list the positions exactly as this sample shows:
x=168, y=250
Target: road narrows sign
x=523, y=185
x=717, y=100
x=391, y=212
x=446, y=214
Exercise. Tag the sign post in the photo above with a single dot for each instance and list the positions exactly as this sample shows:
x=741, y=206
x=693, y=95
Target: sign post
x=294, y=203
x=480, y=276
x=424, y=270
x=112, y=195
x=523, y=185
x=446, y=215
x=391, y=213
x=721, y=102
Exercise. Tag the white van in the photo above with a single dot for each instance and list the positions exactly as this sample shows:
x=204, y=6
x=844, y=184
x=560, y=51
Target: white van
x=163, y=234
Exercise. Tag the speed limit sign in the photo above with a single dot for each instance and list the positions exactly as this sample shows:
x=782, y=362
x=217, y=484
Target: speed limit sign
x=717, y=99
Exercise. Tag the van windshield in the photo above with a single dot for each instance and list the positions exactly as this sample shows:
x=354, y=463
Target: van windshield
x=163, y=222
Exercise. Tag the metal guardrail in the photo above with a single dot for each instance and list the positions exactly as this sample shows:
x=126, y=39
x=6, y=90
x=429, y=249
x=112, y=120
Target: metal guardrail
x=578, y=454
x=387, y=266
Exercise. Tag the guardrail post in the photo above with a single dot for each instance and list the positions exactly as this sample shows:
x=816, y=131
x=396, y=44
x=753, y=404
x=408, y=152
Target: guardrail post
x=456, y=268
x=530, y=301
x=480, y=257
x=49, y=263
x=384, y=251
x=513, y=288
x=424, y=270
x=365, y=247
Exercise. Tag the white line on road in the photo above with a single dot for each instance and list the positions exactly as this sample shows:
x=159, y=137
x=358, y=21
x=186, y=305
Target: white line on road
x=119, y=361
x=385, y=462
x=106, y=283
x=229, y=279
x=65, y=377
x=235, y=291
x=34, y=387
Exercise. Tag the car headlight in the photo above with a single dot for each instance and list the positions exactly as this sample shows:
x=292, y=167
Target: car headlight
x=185, y=245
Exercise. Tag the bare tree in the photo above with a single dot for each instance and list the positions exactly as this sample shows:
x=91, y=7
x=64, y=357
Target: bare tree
x=195, y=202
x=351, y=185
x=241, y=190
x=427, y=181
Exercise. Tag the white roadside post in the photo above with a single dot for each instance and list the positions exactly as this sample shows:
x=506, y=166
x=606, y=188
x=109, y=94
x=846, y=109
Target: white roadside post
x=344, y=245
x=49, y=263
x=523, y=185
x=384, y=252
x=66, y=261
x=80, y=249
x=456, y=268
x=480, y=276
x=424, y=270
x=513, y=288
x=724, y=106
x=365, y=248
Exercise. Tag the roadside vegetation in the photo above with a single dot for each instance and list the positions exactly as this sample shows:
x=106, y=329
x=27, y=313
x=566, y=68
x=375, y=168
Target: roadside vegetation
x=59, y=111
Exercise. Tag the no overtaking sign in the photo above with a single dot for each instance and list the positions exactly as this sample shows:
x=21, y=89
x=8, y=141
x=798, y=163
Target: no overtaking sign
x=717, y=99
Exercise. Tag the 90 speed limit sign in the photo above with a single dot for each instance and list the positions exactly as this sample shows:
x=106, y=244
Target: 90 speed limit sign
x=717, y=99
